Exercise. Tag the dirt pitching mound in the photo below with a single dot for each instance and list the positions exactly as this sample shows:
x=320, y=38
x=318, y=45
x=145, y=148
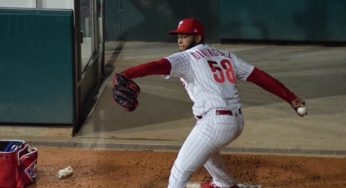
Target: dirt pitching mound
x=148, y=169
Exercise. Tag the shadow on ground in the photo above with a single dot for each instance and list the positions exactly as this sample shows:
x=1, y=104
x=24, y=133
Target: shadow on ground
x=152, y=109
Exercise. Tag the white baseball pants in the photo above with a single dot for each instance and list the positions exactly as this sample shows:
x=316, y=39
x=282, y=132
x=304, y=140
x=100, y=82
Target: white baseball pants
x=202, y=146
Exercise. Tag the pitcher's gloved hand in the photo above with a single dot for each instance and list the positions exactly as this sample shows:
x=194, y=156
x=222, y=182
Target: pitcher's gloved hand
x=125, y=92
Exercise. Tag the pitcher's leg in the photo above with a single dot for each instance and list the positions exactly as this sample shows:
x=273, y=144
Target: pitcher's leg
x=194, y=153
x=218, y=170
x=229, y=131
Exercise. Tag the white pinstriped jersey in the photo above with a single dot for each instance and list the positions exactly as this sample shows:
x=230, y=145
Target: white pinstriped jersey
x=210, y=77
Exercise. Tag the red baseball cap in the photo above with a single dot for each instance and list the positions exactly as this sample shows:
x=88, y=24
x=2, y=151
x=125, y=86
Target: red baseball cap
x=189, y=26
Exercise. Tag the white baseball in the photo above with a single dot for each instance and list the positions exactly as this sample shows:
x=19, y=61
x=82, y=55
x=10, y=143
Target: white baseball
x=301, y=110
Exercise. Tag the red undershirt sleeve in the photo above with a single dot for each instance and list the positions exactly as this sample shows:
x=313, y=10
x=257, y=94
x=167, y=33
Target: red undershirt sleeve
x=271, y=84
x=159, y=67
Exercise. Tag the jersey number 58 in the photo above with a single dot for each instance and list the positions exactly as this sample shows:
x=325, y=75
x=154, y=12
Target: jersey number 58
x=220, y=70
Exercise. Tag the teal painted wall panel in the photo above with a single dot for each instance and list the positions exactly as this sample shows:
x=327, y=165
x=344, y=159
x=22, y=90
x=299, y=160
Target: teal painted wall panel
x=36, y=67
x=295, y=20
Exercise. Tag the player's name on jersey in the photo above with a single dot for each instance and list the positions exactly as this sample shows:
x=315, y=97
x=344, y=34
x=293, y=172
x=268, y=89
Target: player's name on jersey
x=208, y=52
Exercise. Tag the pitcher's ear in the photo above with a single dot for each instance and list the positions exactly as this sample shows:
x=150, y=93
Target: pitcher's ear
x=198, y=39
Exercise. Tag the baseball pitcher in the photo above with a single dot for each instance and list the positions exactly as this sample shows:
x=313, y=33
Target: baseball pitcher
x=210, y=77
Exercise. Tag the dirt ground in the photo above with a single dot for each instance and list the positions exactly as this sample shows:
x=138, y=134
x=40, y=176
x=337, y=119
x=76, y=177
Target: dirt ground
x=144, y=169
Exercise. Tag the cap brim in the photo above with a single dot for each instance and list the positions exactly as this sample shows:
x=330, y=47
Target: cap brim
x=175, y=32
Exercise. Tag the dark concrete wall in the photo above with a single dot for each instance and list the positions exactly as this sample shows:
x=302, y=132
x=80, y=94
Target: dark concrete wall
x=149, y=20
x=287, y=20
x=292, y=20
